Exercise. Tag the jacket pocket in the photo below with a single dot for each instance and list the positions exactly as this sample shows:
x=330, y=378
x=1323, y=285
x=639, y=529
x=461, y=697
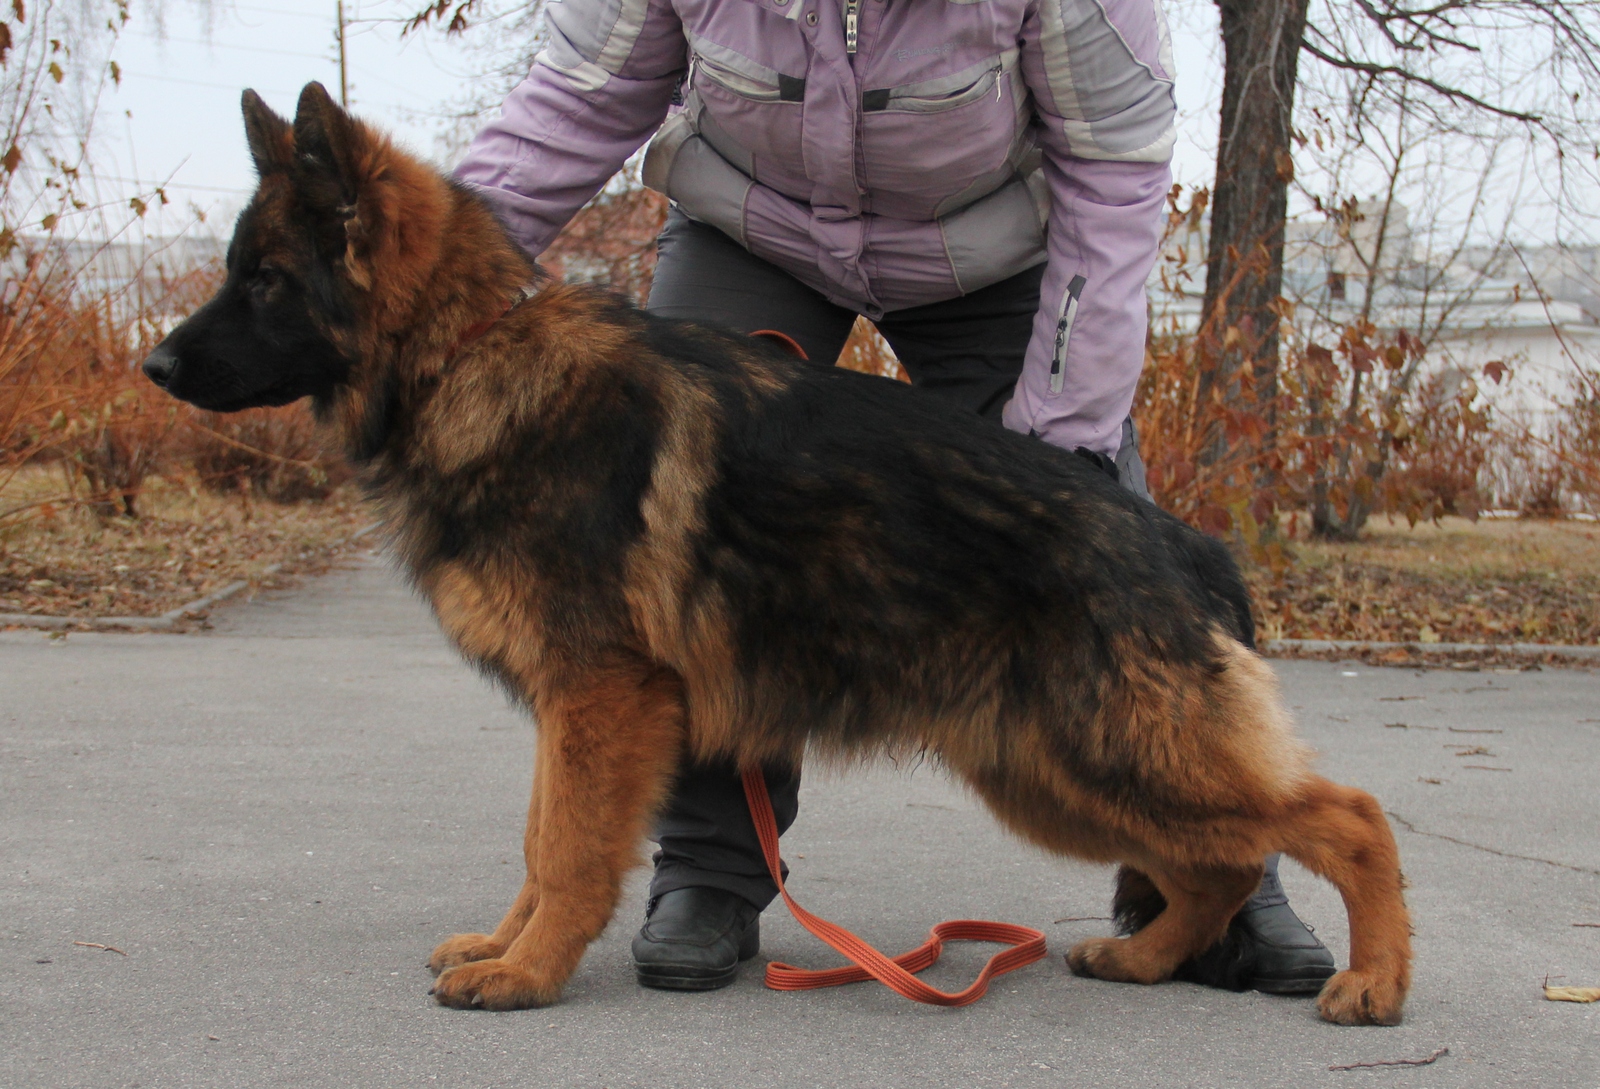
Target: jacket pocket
x=743, y=84
x=947, y=93
x=923, y=142
x=750, y=113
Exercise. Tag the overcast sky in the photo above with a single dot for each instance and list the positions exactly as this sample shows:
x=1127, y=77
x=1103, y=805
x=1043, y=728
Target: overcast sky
x=176, y=114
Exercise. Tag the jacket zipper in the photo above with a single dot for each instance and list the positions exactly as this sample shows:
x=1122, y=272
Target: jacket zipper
x=852, y=25
x=1069, y=313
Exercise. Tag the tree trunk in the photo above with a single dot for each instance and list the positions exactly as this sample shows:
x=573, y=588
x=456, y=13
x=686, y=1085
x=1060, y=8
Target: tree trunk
x=1249, y=201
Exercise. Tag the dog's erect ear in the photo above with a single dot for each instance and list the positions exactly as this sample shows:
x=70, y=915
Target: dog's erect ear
x=324, y=137
x=326, y=155
x=355, y=184
x=271, y=141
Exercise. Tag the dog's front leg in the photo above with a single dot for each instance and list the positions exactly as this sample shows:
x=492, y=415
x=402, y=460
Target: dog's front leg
x=461, y=949
x=609, y=740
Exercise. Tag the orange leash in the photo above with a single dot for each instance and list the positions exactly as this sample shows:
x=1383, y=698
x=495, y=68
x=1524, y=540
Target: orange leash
x=896, y=974
x=782, y=340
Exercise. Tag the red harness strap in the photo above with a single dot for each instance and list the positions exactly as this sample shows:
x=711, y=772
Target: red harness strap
x=782, y=340
x=897, y=974
x=477, y=329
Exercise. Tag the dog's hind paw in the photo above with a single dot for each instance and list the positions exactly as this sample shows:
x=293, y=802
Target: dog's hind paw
x=459, y=949
x=492, y=985
x=1361, y=998
x=1113, y=959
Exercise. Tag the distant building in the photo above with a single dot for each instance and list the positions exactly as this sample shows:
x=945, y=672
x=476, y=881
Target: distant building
x=1535, y=308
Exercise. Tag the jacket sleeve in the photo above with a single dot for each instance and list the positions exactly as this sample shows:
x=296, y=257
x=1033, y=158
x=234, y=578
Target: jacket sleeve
x=595, y=94
x=1100, y=75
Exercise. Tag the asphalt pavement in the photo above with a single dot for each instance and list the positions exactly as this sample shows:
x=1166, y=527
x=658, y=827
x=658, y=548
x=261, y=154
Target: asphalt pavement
x=276, y=820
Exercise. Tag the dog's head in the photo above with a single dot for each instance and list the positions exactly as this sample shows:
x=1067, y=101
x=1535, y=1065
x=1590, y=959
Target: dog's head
x=304, y=297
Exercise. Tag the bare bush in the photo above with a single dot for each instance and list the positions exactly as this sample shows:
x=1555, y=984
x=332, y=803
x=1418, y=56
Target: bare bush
x=1580, y=436
x=1328, y=448
x=1440, y=449
x=72, y=395
x=270, y=452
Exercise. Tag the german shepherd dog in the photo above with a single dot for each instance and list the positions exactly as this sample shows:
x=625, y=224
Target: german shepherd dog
x=669, y=541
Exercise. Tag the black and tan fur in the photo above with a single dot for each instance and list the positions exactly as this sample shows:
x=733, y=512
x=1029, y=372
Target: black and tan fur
x=670, y=541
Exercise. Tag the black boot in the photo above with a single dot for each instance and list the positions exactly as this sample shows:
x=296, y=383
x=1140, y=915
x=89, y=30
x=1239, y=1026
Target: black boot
x=1267, y=948
x=1289, y=958
x=693, y=939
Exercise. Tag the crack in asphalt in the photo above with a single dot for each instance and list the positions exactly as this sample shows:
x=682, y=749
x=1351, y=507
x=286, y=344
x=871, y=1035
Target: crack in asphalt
x=1409, y=827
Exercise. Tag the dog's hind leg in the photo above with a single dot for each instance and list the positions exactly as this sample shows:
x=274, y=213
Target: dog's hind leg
x=461, y=949
x=1199, y=903
x=1341, y=834
x=609, y=741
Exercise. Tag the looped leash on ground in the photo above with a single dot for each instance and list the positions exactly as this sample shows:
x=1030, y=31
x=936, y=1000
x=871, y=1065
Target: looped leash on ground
x=1028, y=944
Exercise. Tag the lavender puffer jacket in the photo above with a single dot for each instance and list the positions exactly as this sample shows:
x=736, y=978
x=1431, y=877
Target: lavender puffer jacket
x=889, y=153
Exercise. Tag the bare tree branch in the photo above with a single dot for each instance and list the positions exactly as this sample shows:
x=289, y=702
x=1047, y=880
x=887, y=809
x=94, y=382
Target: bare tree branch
x=1381, y=21
x=1418, y=21
x=1453, y=93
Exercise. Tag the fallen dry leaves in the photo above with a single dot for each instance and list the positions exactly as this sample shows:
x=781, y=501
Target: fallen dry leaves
x=1356, y=600
x=1458, y=582
x=186, y=544
x=1572, y=994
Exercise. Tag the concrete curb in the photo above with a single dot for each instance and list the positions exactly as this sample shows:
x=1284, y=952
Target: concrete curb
x=168, y=620
x=1321, y=646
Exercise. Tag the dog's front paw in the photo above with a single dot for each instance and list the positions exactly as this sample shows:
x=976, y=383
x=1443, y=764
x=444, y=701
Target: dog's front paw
x=1112, y=959
x=1361, y=998
x=492, y=985
x=459, y=949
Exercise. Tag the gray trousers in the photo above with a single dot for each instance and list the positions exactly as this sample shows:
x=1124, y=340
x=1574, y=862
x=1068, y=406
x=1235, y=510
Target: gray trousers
x=968, y=350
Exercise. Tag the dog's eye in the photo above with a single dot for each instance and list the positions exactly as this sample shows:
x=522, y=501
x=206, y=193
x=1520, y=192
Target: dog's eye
x=265, y=280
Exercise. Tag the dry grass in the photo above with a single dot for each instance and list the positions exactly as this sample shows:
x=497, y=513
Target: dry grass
x=1457, y=581
x=1487, y=549
x=187, y=542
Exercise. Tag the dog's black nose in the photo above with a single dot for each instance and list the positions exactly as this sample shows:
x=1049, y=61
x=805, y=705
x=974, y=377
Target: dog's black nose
x=160, y=364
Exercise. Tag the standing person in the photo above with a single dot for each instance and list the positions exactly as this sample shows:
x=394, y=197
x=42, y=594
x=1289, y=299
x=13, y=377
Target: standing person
x=984, y=179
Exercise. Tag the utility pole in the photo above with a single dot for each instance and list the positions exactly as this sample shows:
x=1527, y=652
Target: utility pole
x=344, y=79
